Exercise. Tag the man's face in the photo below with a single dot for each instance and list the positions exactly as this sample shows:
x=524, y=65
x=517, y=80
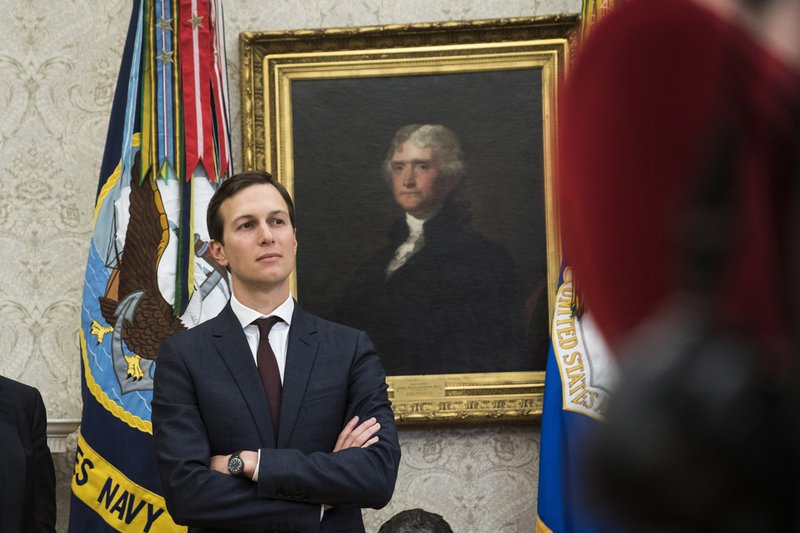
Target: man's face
x=260, y=244
x=417, y=185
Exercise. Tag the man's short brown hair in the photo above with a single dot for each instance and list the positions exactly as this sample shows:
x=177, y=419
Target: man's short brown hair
x=234, y=185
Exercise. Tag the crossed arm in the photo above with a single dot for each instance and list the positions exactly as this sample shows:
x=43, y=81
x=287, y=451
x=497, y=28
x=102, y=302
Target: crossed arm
x=352, y=436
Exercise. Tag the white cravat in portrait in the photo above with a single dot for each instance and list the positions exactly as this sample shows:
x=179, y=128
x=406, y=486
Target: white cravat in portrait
x=412, y=245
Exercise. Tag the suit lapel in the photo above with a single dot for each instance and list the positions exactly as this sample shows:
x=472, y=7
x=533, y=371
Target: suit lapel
x=231, y=344
x=300, y=355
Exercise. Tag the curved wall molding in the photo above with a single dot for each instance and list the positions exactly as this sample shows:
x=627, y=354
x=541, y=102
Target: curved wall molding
x=58, y=430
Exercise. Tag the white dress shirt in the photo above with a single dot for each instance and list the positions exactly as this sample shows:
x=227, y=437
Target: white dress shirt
x=278, y=335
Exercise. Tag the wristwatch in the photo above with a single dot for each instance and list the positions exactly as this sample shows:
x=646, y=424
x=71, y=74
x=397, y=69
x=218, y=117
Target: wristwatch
x=236, y=466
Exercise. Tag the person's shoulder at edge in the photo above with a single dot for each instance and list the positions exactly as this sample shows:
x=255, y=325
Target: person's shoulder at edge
x=17, y=387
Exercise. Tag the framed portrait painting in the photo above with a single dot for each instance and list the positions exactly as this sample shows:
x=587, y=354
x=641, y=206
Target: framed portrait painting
x=420, y=158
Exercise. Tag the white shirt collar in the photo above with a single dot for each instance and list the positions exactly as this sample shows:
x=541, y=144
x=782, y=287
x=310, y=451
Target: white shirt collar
x=246, y=315
x=415, y=224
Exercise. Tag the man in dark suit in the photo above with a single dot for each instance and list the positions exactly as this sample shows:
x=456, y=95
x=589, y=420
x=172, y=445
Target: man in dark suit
x=440, y=297
x=28, y=494
x=257, y=429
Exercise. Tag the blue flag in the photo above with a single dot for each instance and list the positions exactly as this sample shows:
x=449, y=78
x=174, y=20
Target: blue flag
x=148, y=275
x=578, y=376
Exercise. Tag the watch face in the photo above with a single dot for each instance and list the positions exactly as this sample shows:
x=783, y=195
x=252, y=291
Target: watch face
x=235, y=465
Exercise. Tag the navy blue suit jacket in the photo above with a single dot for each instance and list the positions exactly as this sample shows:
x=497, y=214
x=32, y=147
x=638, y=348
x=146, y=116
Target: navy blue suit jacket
x=28, y=494
x=208, y=400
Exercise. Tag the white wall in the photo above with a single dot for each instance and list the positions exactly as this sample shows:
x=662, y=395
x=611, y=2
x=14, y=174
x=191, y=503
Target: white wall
x=58, y=68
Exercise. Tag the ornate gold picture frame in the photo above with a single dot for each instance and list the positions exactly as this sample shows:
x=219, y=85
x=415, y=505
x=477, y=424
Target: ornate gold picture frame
x=319, y=109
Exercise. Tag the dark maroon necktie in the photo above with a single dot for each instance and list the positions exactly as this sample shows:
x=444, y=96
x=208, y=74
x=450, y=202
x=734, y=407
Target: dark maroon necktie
x=268, y=368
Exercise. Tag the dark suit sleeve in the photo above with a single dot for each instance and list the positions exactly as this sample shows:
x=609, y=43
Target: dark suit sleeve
x=361, y=477
x=194, y=494
x=40, y=490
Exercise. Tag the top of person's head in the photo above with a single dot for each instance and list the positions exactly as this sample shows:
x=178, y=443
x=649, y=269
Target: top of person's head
x=234, y=185
x=443, y=142
x=415, y=521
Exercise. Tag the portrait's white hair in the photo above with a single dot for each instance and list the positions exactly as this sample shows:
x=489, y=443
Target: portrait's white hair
x=444, y=145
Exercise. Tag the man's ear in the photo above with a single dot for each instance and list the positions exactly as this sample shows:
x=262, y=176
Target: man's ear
x=217, y=251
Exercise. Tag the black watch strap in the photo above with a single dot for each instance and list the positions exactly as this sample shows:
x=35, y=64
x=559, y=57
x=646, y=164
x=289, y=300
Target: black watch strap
x=236, y=465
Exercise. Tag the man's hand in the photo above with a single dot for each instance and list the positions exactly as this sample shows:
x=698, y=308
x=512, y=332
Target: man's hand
x=351, y=436
x=357, y=437
x=219, y=463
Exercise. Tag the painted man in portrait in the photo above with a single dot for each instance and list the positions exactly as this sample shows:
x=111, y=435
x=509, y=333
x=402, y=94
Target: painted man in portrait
x=439, y=297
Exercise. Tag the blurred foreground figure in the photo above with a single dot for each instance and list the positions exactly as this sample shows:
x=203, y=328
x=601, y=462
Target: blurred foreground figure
x=680, y=130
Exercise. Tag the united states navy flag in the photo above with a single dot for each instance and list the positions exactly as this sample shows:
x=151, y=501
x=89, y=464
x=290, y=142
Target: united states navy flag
x=148, y=274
